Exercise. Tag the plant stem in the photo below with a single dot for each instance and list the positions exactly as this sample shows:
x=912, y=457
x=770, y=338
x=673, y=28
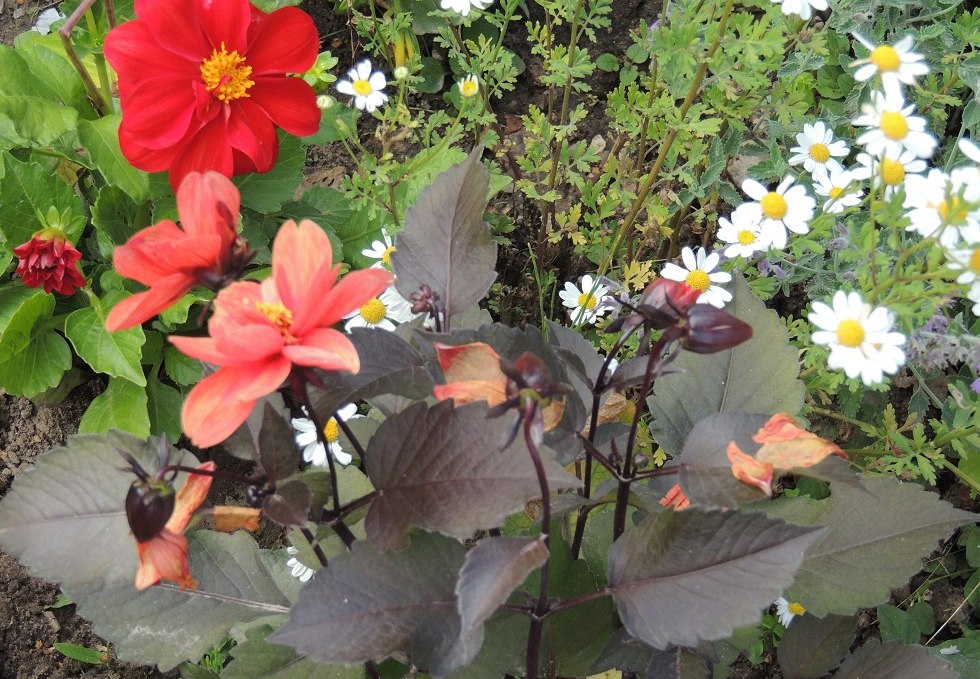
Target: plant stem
x=358, y=448
x=100, y=65
x=321, y=557
x=541, y=609
x=91, y=89
x=302, y=388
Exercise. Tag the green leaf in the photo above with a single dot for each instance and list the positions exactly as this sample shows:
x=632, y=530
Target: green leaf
x=874, y=543
x=685, y=577
x=181, y=368
x=897, y=625
x=256, y=658
x=336, y=123
x=876, y=660
x=464, y=484
x=114, y=353
x=101, y=139
x=267, y=192
x=812, y=646
x=40, y=72
x=81, y=653
x=34, y=356
x=28, y=189
x=114, y=214
x=163, y=407
x=607, y=62
x=445, y=243
x=27, y=121
x=123, y=405
x=758, y=376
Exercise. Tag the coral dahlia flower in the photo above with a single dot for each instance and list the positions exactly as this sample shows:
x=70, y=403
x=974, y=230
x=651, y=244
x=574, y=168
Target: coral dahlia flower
x=203, y=84
x=260, y=330
x=171, y=260
x=49, y=260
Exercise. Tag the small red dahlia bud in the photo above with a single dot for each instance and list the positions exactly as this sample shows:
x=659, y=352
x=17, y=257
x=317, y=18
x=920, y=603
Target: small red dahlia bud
x=49, y=260
x=709, y=330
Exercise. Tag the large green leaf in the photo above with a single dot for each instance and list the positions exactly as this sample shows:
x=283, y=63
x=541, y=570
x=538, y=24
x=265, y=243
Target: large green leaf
x=113, y=353
x=685, y=577
x=813, y=646
x=267, y=192
x=758, y=376
x=256, y=658
x=369, y=605
x=875, y=541
x=27, y=121
x=39, y=72
x=163, y=407
x=34, y=357
x=445, y=244
x=123, y=405
x=876, y=660
x=443, y=469
x=101, y=139
x=29, y=189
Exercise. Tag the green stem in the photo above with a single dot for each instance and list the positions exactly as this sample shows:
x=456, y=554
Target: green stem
x=834, y=415
x=100, y=63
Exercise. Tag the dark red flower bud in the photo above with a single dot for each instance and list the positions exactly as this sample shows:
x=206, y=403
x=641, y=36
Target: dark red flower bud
x=708, y=330
x=149, y=505
x=661, y=305
x=49, y=260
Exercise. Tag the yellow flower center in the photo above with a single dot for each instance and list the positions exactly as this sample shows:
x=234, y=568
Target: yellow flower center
x=796, y=608
x=893, y=125
x=746, y=237
x=892, y=172
x=225, y=75
x=850, y=333
x=698, y=279
x=331, y=430
x=836, y=192
x=386, y=257
x=362, y=87
x=374, y=311
x=953, y=211
x=885, y=58
x=587, y=301
x=469, y=87
x=279, y=316
x=975, y=261
x=820, y=153
x=773, y=205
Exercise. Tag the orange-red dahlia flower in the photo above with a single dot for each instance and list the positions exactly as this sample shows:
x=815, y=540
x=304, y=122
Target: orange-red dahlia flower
x=48, y=259
x=258, y=331
x=170, y=260
x=203, y=85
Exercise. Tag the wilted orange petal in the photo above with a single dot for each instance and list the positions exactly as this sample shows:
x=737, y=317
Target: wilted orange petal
x=780, y=427
x=189, y=498
x=798, y=453
x=749, y=470
x=493, y=392
x=164, y=558
x=675, y=498
x=552, y=414
x=228, y=519
x=473, y=361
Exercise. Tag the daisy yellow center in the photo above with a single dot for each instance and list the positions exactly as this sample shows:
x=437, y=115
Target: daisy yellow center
x=836, y=192
x=362, y=87
x=850, y=333
x=226, y=75
x=279, y=316
x=469, y=88
x=892, y=172
x=952, y=211
x=587, y=301
x=885, y=58
x=746, y=237
x=373, y=312
x=698, y=279
x=331, y=430
x=796, y=608
x=773, y=205
x=975, y=261
x=820, y=153
x=386, y=256
x=894, y=125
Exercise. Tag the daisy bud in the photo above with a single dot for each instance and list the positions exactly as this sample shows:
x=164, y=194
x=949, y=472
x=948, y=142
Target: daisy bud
x=49, y=260
x=469, y=86
x=709, y=329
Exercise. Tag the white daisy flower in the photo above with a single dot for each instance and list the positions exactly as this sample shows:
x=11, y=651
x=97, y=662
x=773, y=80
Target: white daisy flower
x=381, y=249
x=802, y=8
x=787, y=610
x=897, y=64
x=947, y=205
x=787, y=207
x=889, y=170
x=966, y=260
x=969, y=149
x=381, y=311
x=299, y=570
x=743, y=233
x=463, y=6
x=840, y=191
x=860, y=338
x=313, y=450
x=468, y=86
x=365, y=86
x=893, y=127
x=584, y=300
x=974, y=296
x=698, y=275
x=817, y=149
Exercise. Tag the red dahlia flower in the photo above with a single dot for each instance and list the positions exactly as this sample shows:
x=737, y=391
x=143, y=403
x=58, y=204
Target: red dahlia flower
x=171, y=261
x=203, y=85
x=48, y=259
x=258, y=331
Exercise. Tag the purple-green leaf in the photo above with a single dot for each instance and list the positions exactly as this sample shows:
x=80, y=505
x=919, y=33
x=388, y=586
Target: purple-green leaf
x=442, y=468
x=685, y=577
x=493, y=569
x=290, y=504
x=445, y=243
x=369, y=605
x=813, y=646
x=894, y=660
x=677, y=663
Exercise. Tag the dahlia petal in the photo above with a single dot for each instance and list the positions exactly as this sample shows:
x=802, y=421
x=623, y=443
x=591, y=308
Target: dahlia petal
x=189, y=497
x=205, y=202
x=202, y=348
x=160, y=122
x=284, y=41
x=226, y=22
x=175, y=17
x=299, y=252
x=252, y=133
x=350, y=293
x=494, y=392
x=473, y=361
x=161, y=250
x=207, y=149
x=143, y=306
x=134, y=51
x=324, y=348
x=247, y=343
x=164, y=558
x=142, y=157
x=290, y=103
